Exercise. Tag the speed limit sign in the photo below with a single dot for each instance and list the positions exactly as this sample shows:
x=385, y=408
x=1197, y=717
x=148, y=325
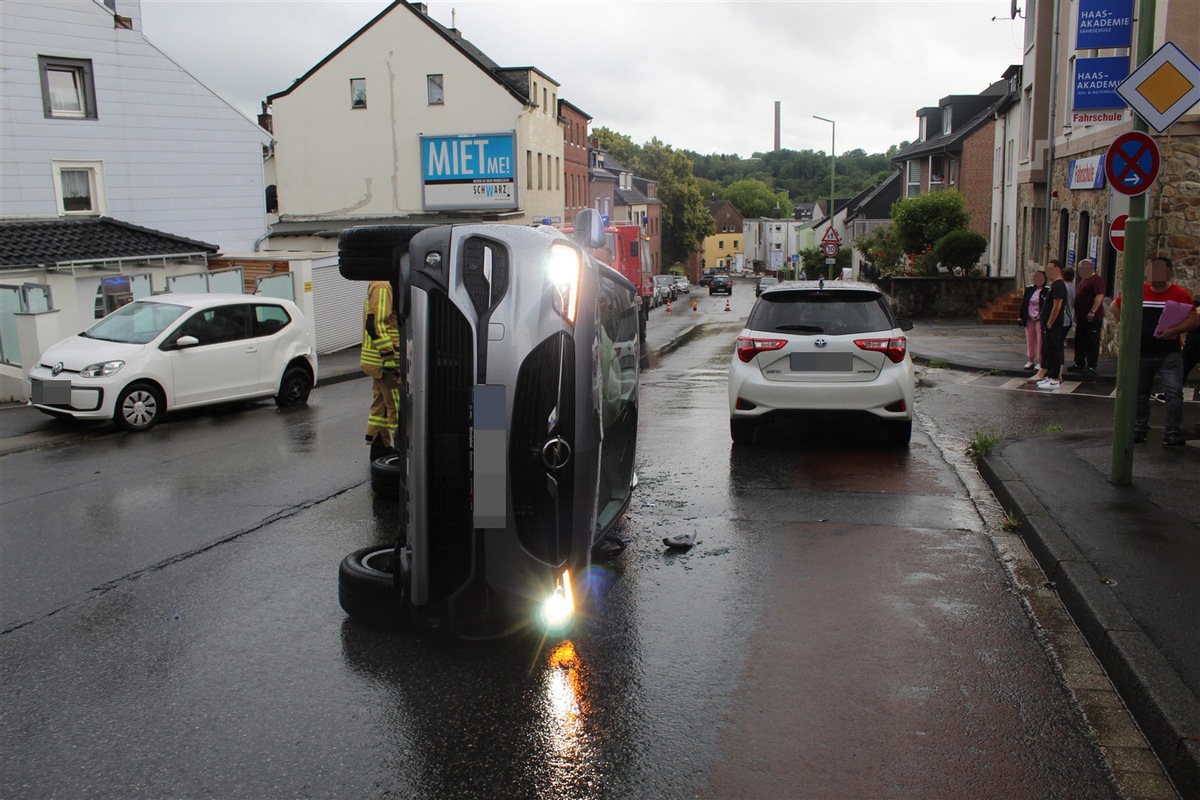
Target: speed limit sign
x=830, y=249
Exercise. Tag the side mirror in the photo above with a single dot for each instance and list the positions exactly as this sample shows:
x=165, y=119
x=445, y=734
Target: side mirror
x=904, y=324
x=187, y=341
x=589, y=229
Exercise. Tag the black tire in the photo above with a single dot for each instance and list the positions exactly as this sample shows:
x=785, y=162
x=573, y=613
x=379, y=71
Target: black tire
x=367, y=586
x=742, y=430
x=368, y=252
x=387, y=473
x=899, y=432
x=294, y=387
x=139, y=407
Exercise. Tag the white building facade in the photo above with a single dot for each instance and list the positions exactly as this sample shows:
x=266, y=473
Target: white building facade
x=349, y=133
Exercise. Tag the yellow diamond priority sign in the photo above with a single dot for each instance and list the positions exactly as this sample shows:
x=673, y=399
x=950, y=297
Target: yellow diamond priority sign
x=1163, y=88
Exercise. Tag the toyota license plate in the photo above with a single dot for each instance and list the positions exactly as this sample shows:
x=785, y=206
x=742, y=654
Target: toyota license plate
x=822, y=362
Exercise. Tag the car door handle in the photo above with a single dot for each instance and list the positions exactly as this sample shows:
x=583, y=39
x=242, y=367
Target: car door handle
x=251, y=349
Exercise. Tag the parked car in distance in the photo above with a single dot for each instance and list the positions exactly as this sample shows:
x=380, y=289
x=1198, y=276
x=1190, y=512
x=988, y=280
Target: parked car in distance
x=665, y=284
x=813, y=346
x=721, y=284
x=175, y=351
x=763, y=283
x=707, y=276
x=682, y=286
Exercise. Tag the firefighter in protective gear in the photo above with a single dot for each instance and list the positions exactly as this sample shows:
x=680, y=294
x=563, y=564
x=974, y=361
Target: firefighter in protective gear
x=380, y=360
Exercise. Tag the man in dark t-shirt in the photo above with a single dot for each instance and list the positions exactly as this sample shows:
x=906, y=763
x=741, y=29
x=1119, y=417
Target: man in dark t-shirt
x=1089, y=318
x=1054, y=330
x=1161, y=354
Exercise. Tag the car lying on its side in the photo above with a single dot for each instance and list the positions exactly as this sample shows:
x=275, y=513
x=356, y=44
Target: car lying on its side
x=822, y=346
x=176, y=351
x=518, y=429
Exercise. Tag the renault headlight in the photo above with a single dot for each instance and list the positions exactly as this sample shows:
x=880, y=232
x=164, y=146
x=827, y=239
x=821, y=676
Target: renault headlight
x=560, y=605
x=564, y=270
x=101, y=370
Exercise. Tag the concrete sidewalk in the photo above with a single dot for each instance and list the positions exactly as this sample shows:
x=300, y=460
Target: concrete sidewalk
x=1125, y=560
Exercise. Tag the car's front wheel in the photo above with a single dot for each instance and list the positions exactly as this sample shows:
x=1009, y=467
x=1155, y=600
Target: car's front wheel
x=742, y=430
x=367, y=586
x=294, y=388
x=139, y=407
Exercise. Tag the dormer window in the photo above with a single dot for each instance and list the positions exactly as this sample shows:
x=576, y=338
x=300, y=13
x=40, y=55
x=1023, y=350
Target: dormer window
x=924, y=130
x=946, y=116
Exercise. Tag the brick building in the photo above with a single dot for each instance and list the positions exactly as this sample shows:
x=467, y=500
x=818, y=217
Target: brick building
x=576, y=195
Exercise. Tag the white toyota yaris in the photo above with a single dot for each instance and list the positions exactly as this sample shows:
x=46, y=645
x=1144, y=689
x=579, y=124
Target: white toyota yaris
x=822, y=346
x=175, y=351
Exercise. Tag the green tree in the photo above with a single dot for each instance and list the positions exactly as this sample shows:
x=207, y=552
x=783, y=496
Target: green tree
x=753, y=198
x=685, y=218
x=960, y=249
x=918, y=222
x=621, y=147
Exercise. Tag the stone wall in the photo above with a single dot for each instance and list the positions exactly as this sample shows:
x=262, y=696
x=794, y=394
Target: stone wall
x=926, y=297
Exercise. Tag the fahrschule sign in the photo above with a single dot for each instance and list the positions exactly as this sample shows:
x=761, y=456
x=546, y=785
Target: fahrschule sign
x=1096, y=82
x=1104, y=23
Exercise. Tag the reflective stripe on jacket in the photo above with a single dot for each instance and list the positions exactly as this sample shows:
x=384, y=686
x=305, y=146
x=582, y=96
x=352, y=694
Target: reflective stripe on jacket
x=381, y=329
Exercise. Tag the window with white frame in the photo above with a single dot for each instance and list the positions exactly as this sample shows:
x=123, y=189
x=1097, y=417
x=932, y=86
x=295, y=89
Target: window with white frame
x=68, y=89
x=435, y=87
x=1027, y=124
x=913, y=179
x=79, y=187
x=28, y=298
x=924, y=129
x=358, y=92
x=952, y=170
x=946, y=117
x=937, y=174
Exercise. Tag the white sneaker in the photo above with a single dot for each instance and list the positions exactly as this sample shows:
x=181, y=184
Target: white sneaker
x=1027, y=365
x=1048, y=383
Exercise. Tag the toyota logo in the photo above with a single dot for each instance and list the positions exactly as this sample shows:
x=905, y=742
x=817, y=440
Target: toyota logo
x=57, y=368
x=556, y=453
x=821, y=342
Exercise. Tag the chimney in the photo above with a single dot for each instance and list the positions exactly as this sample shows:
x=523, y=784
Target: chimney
x=776, y=126
x=424, y=9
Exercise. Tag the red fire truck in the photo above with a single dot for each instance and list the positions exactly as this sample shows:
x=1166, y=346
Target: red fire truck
x=626, y=251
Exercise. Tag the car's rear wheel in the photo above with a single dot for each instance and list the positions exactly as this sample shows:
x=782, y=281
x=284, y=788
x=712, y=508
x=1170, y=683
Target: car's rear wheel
x=367, y=586
x=386, y=472
x=742, y=430
x=139, y=407
x=899, y=432
x=294, y=387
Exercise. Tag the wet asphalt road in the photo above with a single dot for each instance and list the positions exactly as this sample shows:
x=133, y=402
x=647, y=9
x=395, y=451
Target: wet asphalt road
x=843, y=628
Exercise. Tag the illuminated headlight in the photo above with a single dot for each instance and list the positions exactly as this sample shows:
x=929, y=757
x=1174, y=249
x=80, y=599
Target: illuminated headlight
x=559, y=607
x=564, y=270
x=101, y=370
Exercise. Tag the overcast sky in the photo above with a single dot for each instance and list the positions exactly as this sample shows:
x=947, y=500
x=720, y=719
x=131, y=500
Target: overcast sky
x=701, y=75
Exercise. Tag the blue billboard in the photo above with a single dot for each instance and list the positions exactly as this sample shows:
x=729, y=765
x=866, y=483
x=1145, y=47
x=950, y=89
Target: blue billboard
x=1097, y=79
x=469, y=171
x=1104, y=23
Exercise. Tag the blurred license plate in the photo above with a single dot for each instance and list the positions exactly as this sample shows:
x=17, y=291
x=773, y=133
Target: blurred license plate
x=51, y=393
x=490, y=438
x=822, y=362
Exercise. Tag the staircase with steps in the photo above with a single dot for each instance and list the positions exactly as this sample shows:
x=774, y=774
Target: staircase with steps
x=1005, y=310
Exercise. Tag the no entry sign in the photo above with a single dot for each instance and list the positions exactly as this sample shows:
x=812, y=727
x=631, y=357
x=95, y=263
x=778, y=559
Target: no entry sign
x=1116, y=233
x=1131, y=163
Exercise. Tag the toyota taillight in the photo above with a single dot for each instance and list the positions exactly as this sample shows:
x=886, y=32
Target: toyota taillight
x=748, y=347
x=895, y=349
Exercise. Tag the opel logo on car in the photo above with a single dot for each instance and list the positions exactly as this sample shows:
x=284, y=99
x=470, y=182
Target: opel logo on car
x=556, y=453
x=821, y=342
x=58, y=367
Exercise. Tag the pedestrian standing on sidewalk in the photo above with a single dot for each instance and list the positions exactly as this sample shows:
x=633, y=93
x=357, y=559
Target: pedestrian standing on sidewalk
x=1161, y=355
x=1054, y=328
x=1089, y=318
x=1030, y=319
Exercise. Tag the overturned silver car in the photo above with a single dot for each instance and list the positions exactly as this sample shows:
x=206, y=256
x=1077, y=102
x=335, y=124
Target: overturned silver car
x=518, y=423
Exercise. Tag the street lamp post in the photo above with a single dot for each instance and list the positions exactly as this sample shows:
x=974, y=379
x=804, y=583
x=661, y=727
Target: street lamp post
x=832, y=163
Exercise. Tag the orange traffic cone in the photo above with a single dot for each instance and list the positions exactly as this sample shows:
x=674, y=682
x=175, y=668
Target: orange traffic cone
x=695, y=303
x=726, y=303
x=668, y=305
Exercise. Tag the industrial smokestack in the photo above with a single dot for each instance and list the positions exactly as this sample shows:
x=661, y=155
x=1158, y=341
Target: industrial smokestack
x=776, y=126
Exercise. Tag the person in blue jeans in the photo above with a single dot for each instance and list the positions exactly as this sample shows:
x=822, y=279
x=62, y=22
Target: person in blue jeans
x=1161, y=355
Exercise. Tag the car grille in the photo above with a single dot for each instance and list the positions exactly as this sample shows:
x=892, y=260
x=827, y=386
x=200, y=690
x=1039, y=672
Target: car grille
x=451, y=346
x=542, y=511
x=484, y=293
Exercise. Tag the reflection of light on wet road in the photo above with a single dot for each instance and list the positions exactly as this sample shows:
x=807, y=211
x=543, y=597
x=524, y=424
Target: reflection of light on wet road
x=565, y=700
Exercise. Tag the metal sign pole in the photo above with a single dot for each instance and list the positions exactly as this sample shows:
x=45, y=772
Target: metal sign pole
x=1132, y=278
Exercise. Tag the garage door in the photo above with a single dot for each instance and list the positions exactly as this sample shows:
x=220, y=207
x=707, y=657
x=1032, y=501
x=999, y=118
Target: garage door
x=338, y=308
